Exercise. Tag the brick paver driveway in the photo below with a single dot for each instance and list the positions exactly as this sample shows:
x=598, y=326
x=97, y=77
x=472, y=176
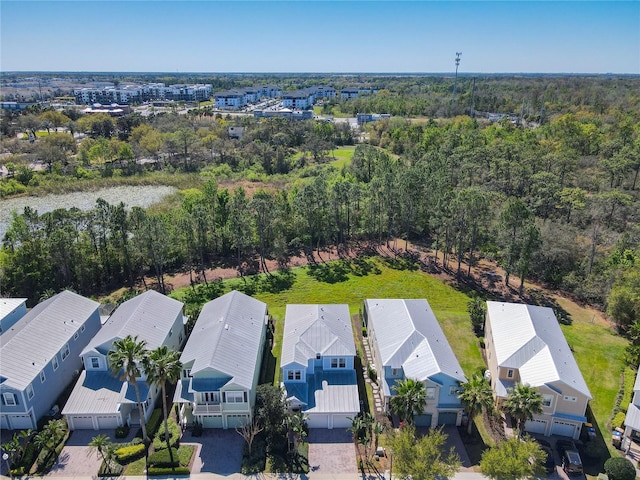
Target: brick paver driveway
x=331, y=451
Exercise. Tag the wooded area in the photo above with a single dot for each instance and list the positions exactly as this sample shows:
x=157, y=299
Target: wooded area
x=551, y=197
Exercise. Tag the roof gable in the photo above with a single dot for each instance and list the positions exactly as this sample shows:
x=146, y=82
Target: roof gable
x=149, y=316
x=316, y=329
x=409, y=336
x=529, y=338
x=227, y=337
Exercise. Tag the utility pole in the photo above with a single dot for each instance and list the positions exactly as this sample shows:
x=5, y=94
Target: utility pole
x=455, y=81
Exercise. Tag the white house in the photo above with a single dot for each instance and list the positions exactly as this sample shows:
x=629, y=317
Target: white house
x=101, y=399
x=221, y=362
x=317, y=364
x=524, y=344
x=407, y=342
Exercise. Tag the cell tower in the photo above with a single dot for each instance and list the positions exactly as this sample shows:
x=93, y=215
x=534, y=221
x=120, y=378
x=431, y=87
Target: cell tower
x=455, y=80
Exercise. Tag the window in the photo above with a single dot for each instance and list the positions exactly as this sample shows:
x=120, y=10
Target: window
x=30, y=391
x=294, y=374
x=82, y=328
x=186, y=373
x=547, y=400
x=510, y=373
x=180, y=337
x=213, y=397
x=338, y=362
x=65, y=351
x=42, y=377
x=317, y=356
x=431, y=393
x=394, y=371
x=95, y=362
x=170, y=331
x=235, y=397
x=568, y=398
x=453, y=390
x=75, y=335
x=9, y=399
x=54, y=362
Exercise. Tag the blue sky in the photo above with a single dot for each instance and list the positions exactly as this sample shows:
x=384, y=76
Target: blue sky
x=321, y=36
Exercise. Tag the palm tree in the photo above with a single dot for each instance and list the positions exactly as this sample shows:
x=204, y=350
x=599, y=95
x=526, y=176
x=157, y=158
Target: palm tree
x=50, y=436
x=410, y=399
x=476, y=396
x=125, y=359
x=100, y=445
x=297, y=427
x=523, y=402
x=163, y=365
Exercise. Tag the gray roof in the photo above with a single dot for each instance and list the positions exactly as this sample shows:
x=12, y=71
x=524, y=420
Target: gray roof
x=99, y=392
x=410, y=337
x=636, y=385
x=33, y=341
x=313, y=329
x=8, y=305
x=149, y=316
x=336, y=399
x=529, y=338
x=226, y=337
x=632, y=418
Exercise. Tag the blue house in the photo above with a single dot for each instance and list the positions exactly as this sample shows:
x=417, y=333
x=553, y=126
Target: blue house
x=407, y=342
x=221, y=362
x=11, y=310
x=317, y=364
x=40, y=356
x=101, y=400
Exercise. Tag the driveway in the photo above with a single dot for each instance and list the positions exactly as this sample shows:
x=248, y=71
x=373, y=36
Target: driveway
x=331, y=451
x=75, y=458
x=217, y=451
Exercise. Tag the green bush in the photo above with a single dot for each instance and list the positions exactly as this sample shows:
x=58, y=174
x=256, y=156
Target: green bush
x=159, y=442
x=256, y=462
x=629, y=380
x=618, y=420
x=154, y=422
x=129, y=453
x=168, y=471
x=619, y=468
x=162, y=458
x=122, y=432
x=115, y=470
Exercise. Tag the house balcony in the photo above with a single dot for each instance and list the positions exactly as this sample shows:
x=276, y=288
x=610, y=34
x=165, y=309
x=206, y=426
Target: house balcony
x=206, y=408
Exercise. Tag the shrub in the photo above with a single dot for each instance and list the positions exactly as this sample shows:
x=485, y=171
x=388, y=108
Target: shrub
x=256, y=462
x=168, y=471
x=627, y=393
x=122, y=432
x=618, y=420
x=162, y=458
x=129, y=453
x=160, y=442
x=154, y=422
x=619, y=469
x=373, y=374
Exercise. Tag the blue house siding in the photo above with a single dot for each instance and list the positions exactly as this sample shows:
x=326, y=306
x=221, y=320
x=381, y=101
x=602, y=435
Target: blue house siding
x=12, y=317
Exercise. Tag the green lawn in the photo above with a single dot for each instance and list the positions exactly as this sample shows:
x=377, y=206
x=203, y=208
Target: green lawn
x=342, y=156
x=599, y=353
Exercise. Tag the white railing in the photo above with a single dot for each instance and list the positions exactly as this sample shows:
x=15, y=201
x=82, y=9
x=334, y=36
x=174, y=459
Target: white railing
x=206, y=408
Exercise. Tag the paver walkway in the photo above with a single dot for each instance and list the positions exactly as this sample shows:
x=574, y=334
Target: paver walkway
x=378, y=397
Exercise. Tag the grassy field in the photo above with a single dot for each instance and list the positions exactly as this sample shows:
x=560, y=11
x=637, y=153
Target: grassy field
x=597, y=349
x=342, y=156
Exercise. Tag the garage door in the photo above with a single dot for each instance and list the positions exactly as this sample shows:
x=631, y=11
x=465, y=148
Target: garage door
x=447, y=418
x=21, y=422
x=536, y=426
x=318, y=421
x=563, y=428
x=236, y=421
x=212, y=421
x=82, y=423
x=422, y=420
x=107, y=422
x=341, y=421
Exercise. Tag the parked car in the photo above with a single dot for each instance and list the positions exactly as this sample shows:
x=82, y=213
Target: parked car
x=563, y=445
x=572, y=463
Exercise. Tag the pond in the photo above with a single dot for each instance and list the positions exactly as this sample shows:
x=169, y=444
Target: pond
x=133, y=196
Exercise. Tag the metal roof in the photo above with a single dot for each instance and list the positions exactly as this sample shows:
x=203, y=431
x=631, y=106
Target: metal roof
x=410, y=337
x=633, y=417
x=149, y=316
x=529, y=338
x=8, y=305
x=97, y=393
x=227, y=337
x=336, y=399
x=39, y=335
x=313, y=329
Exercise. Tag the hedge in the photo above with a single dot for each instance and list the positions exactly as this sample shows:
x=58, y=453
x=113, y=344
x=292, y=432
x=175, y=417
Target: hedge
x=162, y=458
x=168, y=471
x=154, y=422
x=618, y=420
x=159, y=441
x=130, y=453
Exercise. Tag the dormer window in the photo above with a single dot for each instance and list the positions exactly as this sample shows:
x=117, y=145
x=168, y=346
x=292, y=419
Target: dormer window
x=317, y=356
x=510, y=373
